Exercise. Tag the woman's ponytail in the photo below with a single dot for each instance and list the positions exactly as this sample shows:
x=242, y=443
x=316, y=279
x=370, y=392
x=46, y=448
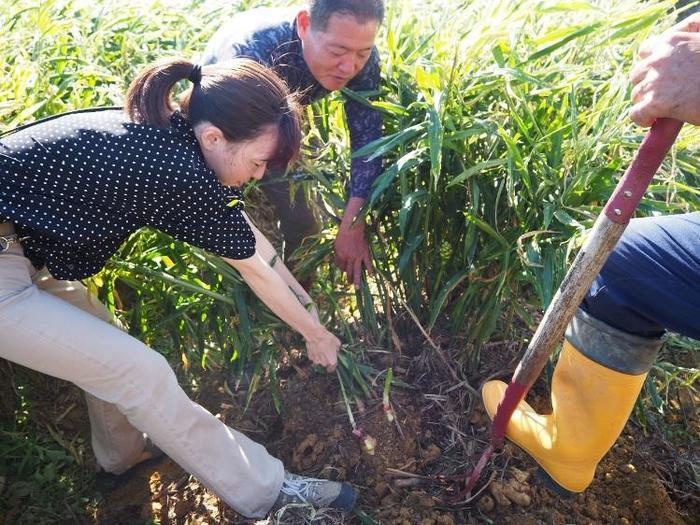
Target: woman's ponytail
x=240, y=97
x=148, y=97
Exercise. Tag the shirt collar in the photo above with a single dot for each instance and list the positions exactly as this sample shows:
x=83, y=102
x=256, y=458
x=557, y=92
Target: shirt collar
x=180, y=124
x=293, y=54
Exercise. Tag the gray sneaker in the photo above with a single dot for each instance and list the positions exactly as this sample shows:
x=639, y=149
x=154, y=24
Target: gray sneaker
x=316, y=492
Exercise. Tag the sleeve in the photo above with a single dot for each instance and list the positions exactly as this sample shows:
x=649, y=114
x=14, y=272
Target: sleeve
x=238, y=39
x=365, y=125
x=217, y=226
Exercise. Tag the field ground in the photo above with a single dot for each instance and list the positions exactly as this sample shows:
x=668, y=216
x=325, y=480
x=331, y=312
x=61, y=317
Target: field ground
x=646, y=478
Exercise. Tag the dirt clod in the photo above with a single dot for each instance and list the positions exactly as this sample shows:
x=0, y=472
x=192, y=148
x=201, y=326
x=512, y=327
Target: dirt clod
x=445, y=519
x=628, y=468
x=486, y=503
x=381, y=489
x=183, y=507
x=628, y=487
x=307, y=453
x=511, y=491
x=430, y=454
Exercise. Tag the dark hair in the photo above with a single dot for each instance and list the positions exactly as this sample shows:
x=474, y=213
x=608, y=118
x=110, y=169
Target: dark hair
x=240, y=97
x=364, y=10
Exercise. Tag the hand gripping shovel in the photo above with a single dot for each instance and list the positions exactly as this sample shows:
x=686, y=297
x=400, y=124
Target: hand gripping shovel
x=607, y=230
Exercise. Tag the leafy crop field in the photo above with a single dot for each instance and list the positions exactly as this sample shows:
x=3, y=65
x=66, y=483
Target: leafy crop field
x=505, y=130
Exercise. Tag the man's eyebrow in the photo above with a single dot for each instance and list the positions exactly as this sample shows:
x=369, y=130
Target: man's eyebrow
x=340, y=46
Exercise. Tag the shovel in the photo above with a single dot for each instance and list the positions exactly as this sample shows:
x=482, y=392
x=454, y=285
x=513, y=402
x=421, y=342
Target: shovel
x=601, y=241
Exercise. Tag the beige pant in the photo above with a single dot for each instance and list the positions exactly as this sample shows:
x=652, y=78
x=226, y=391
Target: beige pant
x=58, y=328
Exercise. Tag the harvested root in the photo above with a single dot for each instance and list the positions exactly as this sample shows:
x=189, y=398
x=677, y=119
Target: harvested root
x=511, y=492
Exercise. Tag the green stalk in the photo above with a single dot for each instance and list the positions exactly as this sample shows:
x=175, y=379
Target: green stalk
x=388, y=410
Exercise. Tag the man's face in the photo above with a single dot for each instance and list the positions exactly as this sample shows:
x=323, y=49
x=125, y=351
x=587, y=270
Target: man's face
x=336, y=53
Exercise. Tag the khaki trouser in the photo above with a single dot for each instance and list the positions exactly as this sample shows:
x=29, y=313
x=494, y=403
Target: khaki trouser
x=58, y=328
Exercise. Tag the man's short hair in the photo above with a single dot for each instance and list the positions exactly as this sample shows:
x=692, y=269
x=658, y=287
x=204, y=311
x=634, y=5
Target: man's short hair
x=363, y=10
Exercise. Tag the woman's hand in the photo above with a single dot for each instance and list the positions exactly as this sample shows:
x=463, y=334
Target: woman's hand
x=322, y=349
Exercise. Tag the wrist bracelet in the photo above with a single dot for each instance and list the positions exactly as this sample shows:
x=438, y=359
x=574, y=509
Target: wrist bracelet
x=8, y=240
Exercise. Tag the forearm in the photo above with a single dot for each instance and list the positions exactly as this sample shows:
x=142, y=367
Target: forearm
x=283, y=272
x=271, y=289
x=297, y=289
x=270, y=255
x=365, y=127
x=352, y=209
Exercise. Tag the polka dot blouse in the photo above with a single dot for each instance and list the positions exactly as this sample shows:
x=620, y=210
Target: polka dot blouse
x=79, y=184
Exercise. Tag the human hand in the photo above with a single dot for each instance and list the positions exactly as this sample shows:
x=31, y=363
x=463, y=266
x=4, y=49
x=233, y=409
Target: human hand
x=352, y=252
x=322, y=349
x=665, y=78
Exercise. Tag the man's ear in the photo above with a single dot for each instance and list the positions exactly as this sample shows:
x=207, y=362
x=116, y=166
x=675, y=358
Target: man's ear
x=210, y=137
x=303, y=23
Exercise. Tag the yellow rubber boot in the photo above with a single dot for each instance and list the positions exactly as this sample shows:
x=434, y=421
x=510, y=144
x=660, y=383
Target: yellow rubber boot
x=590, y=406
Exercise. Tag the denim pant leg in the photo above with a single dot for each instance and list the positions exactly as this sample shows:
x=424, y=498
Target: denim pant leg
x=297, y=221
x=651, y=282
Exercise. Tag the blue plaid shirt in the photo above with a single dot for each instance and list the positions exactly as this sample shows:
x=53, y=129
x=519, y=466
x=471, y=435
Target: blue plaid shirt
x=269, y=36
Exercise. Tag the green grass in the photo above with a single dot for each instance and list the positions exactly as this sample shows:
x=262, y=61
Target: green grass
x=43, y=477
x=505, y=132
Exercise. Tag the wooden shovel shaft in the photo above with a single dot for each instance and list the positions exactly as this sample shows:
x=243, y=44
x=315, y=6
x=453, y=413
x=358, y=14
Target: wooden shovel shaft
x=602, y=239
x=600, y=243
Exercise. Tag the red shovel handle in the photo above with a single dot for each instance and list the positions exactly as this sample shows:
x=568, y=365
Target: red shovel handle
x=634, y=183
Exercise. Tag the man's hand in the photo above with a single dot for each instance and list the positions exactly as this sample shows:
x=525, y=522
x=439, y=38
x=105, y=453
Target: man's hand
x=322, y=349
x=351, y=248
x=352, y=252
x=666, y=78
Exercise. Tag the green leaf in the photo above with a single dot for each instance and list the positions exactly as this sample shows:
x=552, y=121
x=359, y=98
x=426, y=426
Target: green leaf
x=572, y=35
x=438, y=303
x=383, y=145
x=568, y=220
x=410, y=247
x=486, y=228
x=385, y=180
x=476, y=170
x=407, y=206
x=435, y=134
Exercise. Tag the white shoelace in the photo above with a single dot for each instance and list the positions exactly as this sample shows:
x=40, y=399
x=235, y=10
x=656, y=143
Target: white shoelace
x=300, y=488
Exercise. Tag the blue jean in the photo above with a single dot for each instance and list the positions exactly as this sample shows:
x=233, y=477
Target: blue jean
x=651, y=282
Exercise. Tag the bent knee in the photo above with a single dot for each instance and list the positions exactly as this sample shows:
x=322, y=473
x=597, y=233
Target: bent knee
x=148, y=377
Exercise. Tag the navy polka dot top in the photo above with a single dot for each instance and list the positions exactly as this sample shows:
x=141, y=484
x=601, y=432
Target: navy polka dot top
x=80, y=183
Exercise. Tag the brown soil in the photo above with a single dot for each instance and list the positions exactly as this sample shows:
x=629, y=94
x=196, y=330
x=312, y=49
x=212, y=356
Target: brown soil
x=439, y=429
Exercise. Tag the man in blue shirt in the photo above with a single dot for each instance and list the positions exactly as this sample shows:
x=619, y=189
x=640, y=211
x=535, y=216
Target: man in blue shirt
x=318, y=49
